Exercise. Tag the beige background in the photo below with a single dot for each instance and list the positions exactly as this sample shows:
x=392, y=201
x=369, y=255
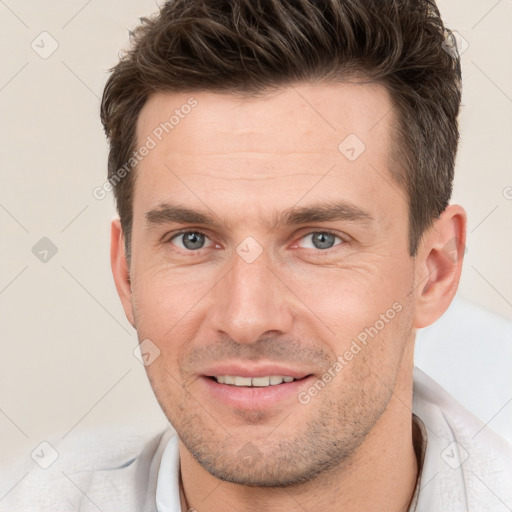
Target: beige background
x=67, y=361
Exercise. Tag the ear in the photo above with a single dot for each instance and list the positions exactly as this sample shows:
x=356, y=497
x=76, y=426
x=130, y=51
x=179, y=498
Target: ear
x=439, y=265
x=120, y=269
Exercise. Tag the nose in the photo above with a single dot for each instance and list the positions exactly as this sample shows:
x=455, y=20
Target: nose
x=251, y=302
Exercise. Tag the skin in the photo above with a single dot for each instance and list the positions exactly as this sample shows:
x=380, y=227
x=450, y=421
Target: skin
x=243, y=162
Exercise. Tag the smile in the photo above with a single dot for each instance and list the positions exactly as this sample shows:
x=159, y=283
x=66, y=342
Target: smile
x=258, y=382
x=259, y=391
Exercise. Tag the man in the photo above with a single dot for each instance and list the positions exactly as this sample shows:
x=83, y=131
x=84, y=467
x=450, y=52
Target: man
x=282, y=172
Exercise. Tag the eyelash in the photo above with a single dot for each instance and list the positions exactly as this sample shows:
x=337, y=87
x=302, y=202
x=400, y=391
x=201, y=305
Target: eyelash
x=326, y=232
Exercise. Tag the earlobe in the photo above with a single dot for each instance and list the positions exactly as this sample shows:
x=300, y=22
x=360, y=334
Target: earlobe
x=439, y=265
x=120, y=269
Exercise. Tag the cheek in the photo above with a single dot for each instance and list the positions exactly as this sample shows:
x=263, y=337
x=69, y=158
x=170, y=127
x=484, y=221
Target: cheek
x=163, y=317
x=166, y=301
x=349, y=299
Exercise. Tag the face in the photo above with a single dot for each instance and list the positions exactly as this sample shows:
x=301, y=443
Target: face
x=270, y=268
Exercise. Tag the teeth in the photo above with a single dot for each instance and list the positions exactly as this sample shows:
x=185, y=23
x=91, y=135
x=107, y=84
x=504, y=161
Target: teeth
x=243, y=381
x=259, y=382
x=275, y=379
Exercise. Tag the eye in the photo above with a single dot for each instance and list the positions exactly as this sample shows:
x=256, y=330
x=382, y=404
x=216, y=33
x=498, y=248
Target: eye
x=320, y=240
x=191, y=240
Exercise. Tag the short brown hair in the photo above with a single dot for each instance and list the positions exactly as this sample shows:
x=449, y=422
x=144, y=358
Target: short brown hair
x=249, y=46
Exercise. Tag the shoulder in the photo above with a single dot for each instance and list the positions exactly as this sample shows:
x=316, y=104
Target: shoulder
x=107, y=469
x=466, y=462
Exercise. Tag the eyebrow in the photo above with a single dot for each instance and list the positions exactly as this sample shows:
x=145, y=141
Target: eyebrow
x=167, y=213
x=322, y=212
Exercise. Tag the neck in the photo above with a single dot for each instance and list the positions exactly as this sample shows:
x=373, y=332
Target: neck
x=381, y=474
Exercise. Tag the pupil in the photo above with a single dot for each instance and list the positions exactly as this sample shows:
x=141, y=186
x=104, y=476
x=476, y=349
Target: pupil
x=193, y=240
x=323, y=240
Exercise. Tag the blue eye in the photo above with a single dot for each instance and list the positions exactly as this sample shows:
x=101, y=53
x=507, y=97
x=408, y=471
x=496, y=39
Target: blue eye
x=321, y=240
x=190, y=240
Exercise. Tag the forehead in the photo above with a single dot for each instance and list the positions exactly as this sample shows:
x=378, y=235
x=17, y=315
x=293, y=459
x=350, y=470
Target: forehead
x=320, y=114
x=280, y=143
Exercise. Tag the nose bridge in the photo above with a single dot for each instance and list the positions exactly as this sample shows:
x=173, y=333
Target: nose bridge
x=250, y=301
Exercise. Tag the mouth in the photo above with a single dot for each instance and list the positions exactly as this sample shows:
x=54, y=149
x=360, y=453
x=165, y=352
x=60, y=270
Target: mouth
x=251, y=389
x=253, y=382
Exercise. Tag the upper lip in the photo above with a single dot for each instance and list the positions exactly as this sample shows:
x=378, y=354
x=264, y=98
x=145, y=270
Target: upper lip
x=254, y=370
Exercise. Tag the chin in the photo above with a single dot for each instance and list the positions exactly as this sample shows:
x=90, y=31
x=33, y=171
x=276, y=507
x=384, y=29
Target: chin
x=285, y=465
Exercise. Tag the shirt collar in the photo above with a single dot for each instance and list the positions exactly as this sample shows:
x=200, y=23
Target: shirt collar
x=167, y=489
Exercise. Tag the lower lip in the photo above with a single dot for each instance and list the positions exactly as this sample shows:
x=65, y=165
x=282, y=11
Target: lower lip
x=255, y=398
